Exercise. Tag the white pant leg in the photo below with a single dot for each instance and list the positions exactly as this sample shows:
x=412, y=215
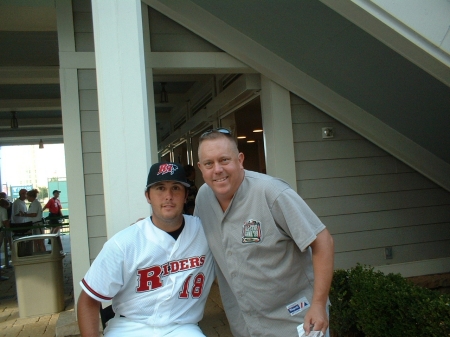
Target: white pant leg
x=183, y=330
x=123, y=327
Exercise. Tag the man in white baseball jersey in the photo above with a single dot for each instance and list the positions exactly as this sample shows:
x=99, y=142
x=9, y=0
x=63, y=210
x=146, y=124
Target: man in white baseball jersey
x=274, y=256
x=157, y=272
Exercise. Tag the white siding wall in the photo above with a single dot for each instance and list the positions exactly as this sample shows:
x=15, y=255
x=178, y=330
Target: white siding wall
x=368, y=199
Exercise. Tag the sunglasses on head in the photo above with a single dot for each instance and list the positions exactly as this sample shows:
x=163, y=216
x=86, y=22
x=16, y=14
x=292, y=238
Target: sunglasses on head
x=221, y=130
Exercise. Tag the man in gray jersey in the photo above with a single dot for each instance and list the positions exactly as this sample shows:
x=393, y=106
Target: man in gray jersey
x=274, y=256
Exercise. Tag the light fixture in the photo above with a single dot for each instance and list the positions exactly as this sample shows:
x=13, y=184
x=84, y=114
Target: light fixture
x=250, y=141
x=258, y=130
x=164, y=97
x=41, y=144
x=241, y=137
x=14, y=121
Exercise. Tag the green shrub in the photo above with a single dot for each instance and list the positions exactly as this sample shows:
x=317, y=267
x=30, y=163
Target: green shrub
x=369, y=303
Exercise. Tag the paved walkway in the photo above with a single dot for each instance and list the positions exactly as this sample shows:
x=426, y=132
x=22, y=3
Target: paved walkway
x=214, y=323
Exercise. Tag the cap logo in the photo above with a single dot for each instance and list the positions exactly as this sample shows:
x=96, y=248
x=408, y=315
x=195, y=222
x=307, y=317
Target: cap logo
x=167, y=168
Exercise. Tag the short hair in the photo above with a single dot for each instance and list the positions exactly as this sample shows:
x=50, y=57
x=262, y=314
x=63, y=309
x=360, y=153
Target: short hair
x=216, y=134
x=4, y=203
x=32, y=193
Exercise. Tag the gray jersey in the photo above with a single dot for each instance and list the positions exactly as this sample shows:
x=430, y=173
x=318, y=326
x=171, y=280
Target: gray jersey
x=261, y=246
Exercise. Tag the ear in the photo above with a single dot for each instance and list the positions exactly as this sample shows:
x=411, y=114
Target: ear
x=241, y=159
x=147, y=196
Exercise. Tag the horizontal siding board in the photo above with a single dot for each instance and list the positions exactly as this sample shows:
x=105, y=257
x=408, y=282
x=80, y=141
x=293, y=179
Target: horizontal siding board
x=402, y=167
x=160, y=24
x=363, y=184
x=84, y=42
x=401, y=254
x=89, y=121
x=336, y=149
x=81, y=6
x=180, y=43
x=93, y=184
x=82, y=22
x=386, y=219
x=313, y=132
x=378, y=202
x=96, y=226
x=333, y=168
x=295, y=100
x=309, y=114
x=90, y=141
x=95, y=246
x=87, y=79
x=92, y=163
x=391, y=237
x=95, y=205
x=88, y=100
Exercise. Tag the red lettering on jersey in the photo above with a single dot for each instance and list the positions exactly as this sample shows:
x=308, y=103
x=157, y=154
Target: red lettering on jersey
x=195, y=262
x=184, y=264
x=197, y=287
x=202, y=260
x=149, y=279
x=165, y=268
x=174, y=267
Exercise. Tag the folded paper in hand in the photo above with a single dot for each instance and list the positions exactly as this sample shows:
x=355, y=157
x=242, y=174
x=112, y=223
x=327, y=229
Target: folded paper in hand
x=302, y=333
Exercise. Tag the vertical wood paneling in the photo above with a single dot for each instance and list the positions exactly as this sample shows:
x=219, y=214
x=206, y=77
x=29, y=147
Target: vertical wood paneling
x=367, y=198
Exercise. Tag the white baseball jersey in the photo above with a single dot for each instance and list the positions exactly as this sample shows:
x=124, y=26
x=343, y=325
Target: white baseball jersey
x=152, y=278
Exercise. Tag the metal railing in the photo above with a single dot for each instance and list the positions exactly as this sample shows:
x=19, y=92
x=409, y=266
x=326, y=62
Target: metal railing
x=63, y=223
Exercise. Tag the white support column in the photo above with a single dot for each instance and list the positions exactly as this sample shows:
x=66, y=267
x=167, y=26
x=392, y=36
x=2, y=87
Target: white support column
x=75, y=176
x=277, y=125
x=72, y=147
x=123, y=110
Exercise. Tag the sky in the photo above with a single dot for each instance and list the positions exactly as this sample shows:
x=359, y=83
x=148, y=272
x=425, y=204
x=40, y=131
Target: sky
x=25, y=164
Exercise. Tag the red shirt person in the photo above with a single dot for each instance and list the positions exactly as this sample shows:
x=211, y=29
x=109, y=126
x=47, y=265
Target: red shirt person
x=54, y=207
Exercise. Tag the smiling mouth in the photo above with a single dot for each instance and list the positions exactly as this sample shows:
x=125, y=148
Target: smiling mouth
x=220, y=180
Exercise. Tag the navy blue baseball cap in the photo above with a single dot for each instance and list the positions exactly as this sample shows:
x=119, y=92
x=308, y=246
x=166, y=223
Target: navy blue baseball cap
x=166, y=172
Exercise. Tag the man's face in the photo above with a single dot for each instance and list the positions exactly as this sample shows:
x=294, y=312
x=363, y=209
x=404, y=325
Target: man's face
x=167, y=199
x=22, y=194
x=56, y=195
x=222, y=166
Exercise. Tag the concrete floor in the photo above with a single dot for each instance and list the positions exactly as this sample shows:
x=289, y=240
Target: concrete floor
x=63, y=324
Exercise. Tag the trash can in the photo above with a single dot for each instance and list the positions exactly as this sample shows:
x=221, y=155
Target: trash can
x=39, y=275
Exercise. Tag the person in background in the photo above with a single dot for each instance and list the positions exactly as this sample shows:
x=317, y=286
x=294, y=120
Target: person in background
x=274, y=256
x=4, y=223
x=19, y=207
x=54, y=207
x=8, y=234
x=34, y=215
